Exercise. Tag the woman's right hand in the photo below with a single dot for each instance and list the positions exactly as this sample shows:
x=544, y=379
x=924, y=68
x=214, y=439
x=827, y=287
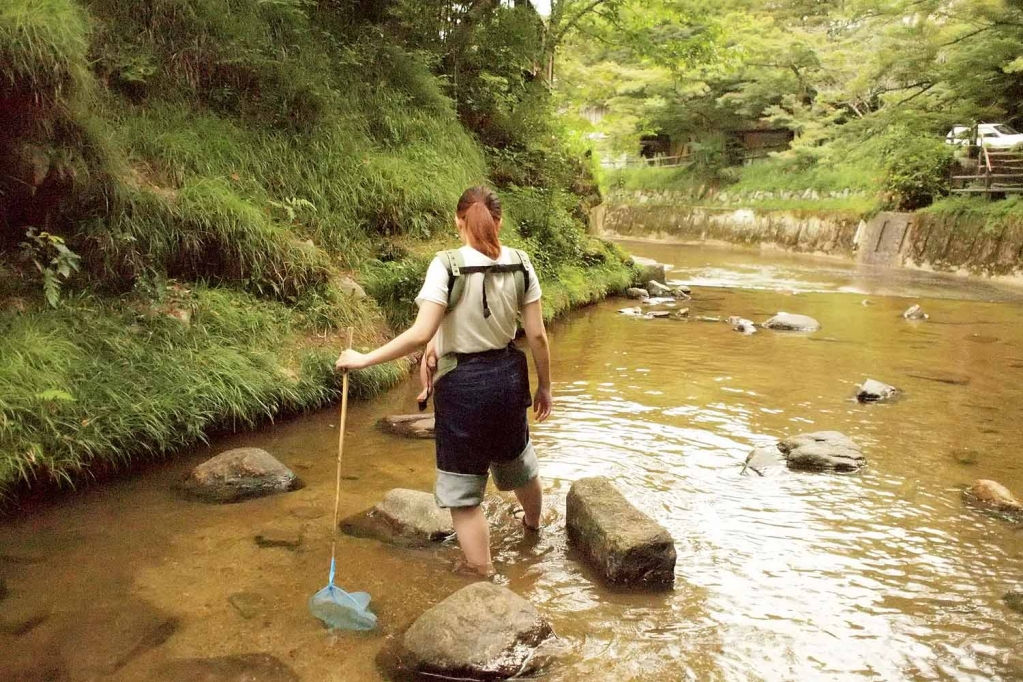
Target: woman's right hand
x=543, y=403
x=427, y=366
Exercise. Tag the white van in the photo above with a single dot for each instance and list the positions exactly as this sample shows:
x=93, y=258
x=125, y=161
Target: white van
x=990, y=135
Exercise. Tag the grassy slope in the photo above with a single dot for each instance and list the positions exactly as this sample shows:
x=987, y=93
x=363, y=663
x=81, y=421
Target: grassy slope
x=771, y=175
x=227, y=162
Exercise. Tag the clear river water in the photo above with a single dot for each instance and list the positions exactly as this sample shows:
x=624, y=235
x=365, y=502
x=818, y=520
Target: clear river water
x=881, y=575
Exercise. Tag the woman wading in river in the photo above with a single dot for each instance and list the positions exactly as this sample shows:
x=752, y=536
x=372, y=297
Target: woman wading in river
x=468, y=309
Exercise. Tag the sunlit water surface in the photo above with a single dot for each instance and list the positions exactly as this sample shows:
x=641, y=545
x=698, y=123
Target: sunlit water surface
x=883, y=575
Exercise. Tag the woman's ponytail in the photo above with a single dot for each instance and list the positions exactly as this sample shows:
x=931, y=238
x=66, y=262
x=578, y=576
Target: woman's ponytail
x=481, y=210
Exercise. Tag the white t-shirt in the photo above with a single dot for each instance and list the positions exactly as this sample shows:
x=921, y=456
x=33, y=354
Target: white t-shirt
x=464, y=329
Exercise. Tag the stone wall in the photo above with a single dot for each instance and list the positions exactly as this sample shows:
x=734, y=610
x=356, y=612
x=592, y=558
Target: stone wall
x=793, y=230
x=922, y=240
x=973, y=245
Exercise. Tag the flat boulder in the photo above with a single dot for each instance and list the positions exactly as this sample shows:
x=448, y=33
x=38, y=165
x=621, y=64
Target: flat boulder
x=993, y=496
x=409, y=425
x=822, y=451
x=240, y=668
x=657, y=289
x=914, y=312
x=415, y=512
x=637, y=293
x=632, y=312
x=404, y=517
x=482, y=632
x=872, y=391
x=789, y=322
x=764, y=461
x=623, y=543
x=237, y=475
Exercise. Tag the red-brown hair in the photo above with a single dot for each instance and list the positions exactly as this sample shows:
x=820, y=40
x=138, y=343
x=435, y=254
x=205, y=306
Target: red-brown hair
x=481, y=210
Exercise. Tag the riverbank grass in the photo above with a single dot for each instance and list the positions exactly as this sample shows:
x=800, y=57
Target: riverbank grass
x=101, y=383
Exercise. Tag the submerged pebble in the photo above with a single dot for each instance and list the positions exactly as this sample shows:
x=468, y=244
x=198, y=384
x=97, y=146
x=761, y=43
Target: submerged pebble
x=255, y=667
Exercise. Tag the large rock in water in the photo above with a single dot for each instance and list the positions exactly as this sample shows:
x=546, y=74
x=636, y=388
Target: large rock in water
x=793, y=323
x=650, y=271
x=237, y=475
x=410, y=518
x=994, y=496
x=636, y=293
x=822, y=451
x=409, y=425
x=625, y=545
x=483, y=631
x=871, y=391
x=415, y=513
x=655, y=288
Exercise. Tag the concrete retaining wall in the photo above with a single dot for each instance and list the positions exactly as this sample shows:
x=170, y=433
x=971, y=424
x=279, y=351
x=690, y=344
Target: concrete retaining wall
x=921, y=240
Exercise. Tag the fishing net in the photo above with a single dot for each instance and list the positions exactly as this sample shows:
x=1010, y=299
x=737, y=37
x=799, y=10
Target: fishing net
x=341, y=610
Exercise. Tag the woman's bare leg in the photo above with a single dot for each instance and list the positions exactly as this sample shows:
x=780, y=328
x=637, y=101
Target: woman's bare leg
x=530, y=496
x=473, y=533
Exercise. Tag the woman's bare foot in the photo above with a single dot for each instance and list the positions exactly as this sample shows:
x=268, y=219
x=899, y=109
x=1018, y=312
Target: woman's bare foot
x=471, y=570
x=520, y=514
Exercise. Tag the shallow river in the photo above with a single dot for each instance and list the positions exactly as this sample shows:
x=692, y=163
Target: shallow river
x=883, y=575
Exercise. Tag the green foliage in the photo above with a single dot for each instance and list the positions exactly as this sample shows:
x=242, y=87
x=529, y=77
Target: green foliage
x=837, y=75
x=783, y=174
x=219, y=164
x=43, y=48
x=395, y=286
x=52, y=260
x=95, y=383
x=916, y=168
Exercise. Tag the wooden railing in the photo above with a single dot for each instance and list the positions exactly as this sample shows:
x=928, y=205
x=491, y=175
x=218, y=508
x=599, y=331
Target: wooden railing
x=995, y=172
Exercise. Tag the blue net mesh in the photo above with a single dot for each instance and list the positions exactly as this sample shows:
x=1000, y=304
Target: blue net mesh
x=341, y=610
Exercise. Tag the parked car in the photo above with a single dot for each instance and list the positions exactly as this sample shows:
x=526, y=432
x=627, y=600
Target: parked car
x=990, y=135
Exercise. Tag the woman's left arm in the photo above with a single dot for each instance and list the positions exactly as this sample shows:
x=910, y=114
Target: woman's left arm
x=419, y=334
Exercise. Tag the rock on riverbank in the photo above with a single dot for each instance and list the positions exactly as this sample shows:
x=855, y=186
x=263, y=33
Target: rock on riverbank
x=624, y=544
x=483, y=631
x=237, y=475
